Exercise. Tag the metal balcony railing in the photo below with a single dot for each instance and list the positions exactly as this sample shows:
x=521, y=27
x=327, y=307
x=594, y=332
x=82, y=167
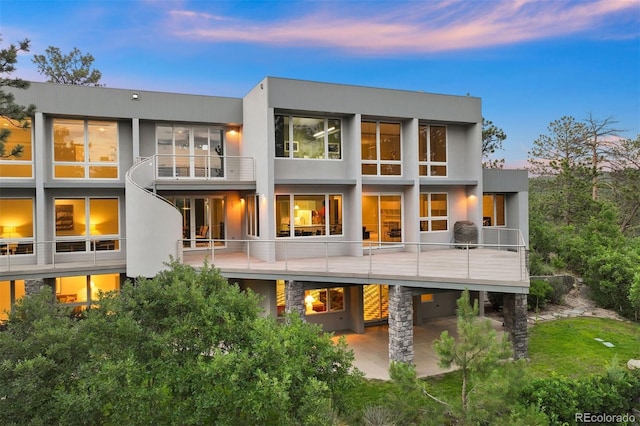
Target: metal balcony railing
x=94, y=251
x=487, y=261
x=204, y=167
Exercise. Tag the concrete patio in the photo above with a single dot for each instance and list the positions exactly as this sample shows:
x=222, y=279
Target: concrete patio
x=371, y=349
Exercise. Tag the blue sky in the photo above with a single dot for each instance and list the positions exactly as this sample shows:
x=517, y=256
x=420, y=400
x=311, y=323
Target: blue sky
x=531, y=62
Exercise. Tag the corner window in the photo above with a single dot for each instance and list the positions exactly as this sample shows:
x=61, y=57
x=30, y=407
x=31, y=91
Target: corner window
x=16, y=158
x=493, y=210
x=432, y=150
x=434, y=212
x=308, y=137
x=85, y=149
x=87, y=224
x=380, y=148
x=16, y=223
x=308, y=215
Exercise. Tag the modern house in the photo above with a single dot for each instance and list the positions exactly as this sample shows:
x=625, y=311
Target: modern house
x=351, y=205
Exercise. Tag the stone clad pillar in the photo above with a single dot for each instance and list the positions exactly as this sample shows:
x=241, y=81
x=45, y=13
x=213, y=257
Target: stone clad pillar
x=294, y=297
x=400, y=324
x=515, y=321
x=33, y=286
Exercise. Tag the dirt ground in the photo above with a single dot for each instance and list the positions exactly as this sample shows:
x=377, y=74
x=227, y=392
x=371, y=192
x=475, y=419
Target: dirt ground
x=576, y=301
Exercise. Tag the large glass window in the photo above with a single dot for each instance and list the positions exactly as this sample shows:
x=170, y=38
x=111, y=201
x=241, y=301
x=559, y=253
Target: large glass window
x=432, y=150
x=380, y=148
x=16, y=159
x=308, y=215
x=10, y=292
x=190, y=151
x=308, y=137
x=80, y=291
x=493, y=210
x=16, y=222
x=434, y=212
x=85, y=149
x=87, y=224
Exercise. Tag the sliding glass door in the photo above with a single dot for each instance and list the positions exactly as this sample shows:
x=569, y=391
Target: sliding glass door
x=381, y=219
x=203, y=221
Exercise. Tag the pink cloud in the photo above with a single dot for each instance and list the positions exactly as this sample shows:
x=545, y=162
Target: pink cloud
x=414, y=27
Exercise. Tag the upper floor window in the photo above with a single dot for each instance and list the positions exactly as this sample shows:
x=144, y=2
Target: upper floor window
x=308, y=137
x=190, y=151
x=85, y=149
x=16, y=157
x=16, y=223
x=432, y=150
x=87, y=224
x=493, y=210
x=381, y=149
x=434, y=212
x=308, y=215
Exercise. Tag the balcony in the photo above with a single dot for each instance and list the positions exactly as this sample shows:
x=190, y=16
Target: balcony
x=497, y=266
x=44, y=259
x=204, y=168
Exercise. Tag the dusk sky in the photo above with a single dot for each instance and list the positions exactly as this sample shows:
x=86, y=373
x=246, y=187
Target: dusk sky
x=531, y=62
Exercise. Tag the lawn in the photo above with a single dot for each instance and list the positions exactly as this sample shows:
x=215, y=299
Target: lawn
x=564, y=347
x=568, y=346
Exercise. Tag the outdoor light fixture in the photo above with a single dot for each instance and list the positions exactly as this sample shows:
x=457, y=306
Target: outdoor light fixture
x=135, y=96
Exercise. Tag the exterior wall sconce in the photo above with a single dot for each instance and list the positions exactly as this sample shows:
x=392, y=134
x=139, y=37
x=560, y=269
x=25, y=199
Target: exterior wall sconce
x=135, y=96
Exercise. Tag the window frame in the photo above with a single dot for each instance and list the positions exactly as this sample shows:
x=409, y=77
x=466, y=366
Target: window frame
x=283, y=229
x=108, y=243
x=17, y=161
x=252, y=215
x=291, y=147
x=493, y=219
x=213, y=163
x=378, y=161
x=427, y=163
x=429, y=218
x=10, y=240
x=86, y=163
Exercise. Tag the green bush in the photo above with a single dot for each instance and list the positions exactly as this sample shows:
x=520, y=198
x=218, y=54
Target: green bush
x=560, y=398
x=540, y=292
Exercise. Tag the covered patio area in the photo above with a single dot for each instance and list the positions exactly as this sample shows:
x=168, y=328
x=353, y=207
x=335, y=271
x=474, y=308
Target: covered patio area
x=371, y=349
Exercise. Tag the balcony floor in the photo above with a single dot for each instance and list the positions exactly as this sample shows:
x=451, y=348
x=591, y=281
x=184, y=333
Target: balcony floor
x=476, y=269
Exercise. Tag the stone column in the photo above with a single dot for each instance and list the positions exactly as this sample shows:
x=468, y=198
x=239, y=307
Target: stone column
x=515, y=321
x=400, y=324
x=294, y=297
x=33, y=286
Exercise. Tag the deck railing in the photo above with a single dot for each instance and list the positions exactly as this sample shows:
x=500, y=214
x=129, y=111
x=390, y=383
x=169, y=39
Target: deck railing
x=416, y=259
x=92, y=251
x=204, y=167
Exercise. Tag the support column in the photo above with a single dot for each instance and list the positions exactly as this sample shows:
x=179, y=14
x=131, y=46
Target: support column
x=400, y=324
x=31, y=287
x=294, y=297
x=515, y=321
